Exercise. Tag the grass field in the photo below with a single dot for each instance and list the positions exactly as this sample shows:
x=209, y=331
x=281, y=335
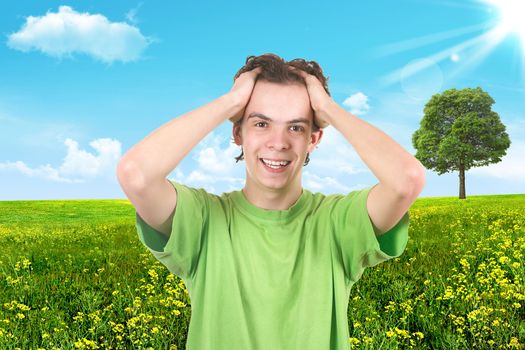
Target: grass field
x=73, y=274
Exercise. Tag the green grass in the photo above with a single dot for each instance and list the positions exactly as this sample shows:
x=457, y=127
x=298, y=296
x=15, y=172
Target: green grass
x=73, y=274
x=65, y=212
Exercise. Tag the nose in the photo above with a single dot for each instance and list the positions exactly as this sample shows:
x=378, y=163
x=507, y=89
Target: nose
x=278, y=139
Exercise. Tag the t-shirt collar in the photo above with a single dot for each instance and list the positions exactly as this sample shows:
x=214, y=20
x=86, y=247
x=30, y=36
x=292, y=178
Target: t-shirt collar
x=244, y=205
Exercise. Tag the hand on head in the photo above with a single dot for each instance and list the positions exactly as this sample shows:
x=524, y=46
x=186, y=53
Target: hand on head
x=243, y=87
x=318, y=96
x=242, y=90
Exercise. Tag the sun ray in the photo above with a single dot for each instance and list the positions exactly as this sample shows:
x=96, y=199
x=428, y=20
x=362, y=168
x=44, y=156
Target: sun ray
x=511, y=22
x=394, y=76
x=421, y=41
x=511, y=16
x=508, y=20
x=494, y=37
x=469, y=5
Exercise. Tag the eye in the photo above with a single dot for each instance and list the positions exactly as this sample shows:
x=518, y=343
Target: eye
x=297, y=128
x=260, y=124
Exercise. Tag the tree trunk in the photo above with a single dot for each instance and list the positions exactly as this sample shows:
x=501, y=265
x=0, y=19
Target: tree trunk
x=461, y=181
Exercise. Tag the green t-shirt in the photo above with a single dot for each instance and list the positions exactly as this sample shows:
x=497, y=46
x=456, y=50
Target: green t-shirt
x=270, y=279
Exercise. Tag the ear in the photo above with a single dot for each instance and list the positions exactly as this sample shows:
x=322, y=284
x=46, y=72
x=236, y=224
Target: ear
x=315, y=138
x=237, y=135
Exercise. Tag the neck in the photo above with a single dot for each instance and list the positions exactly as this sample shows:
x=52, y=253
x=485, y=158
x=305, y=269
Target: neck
x=272, y=200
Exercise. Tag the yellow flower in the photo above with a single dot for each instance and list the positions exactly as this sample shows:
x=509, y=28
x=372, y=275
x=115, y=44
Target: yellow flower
x=136, y=302
x=179, y=303
x=465, y=264
x=153, y=274
x=419, y=335
x=353, y=341
x=118, y=328
x=448, y=293
x=90, y=343
x=503, y=260
x=369, y=340
x=23, y=307
x=391, y=306
x=402, y=333
x=514, y=342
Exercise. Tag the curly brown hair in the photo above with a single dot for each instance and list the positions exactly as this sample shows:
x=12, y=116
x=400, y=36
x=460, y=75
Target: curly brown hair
x=275, y=70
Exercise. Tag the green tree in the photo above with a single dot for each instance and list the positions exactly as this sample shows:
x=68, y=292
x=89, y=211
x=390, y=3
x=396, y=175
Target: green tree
x=460, y=131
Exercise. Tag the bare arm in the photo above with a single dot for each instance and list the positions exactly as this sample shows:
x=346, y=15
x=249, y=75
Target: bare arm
x=142, y=171
x=401, y=176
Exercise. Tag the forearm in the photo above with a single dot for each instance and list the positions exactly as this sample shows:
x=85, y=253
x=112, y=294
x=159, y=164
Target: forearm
x=159, y=153
x=390, y=163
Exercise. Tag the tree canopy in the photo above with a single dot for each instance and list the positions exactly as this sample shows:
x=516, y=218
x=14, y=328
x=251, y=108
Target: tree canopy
x=459, y=131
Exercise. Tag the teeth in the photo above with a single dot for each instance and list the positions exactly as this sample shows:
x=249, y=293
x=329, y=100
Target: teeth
x=274, y=164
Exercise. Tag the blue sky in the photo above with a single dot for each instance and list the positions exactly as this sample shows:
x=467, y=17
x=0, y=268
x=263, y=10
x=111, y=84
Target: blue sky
x=82, y=82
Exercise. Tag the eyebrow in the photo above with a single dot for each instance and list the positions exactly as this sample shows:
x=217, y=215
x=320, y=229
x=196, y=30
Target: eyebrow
x=293, y=121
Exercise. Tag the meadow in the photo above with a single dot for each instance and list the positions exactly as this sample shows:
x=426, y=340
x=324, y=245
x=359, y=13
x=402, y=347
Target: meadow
x=73, y=275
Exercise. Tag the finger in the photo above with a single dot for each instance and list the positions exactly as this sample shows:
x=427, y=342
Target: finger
x=256, y=70
x=299, y=71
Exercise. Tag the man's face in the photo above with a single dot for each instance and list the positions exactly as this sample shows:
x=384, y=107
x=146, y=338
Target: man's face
x=276, y=133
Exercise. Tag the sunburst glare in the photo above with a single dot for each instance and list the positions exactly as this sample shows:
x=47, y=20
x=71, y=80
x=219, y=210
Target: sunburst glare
x=511, y=17
x=467, y=54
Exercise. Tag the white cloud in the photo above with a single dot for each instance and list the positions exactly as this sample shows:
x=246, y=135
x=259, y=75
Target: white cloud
x=44, y=171
x=131, y=15
x=215, y=166
x=316, y=183
x=66, y=32
x=335, y=156
x=511, y=167
x=201, y=179
x=216, y=171
x=218, y=160
x=84, y=164
x=358, y=103
x=516, y=128
x=78, y=165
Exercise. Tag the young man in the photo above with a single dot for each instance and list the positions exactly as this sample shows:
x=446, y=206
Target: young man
x=270, y=266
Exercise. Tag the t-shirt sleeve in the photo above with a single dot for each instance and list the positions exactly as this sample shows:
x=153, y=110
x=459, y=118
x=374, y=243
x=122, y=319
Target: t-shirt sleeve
x=180, y=252
x=358, y=243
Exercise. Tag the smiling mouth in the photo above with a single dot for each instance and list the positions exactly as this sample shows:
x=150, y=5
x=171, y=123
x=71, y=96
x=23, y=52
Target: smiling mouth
x=275, y=164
